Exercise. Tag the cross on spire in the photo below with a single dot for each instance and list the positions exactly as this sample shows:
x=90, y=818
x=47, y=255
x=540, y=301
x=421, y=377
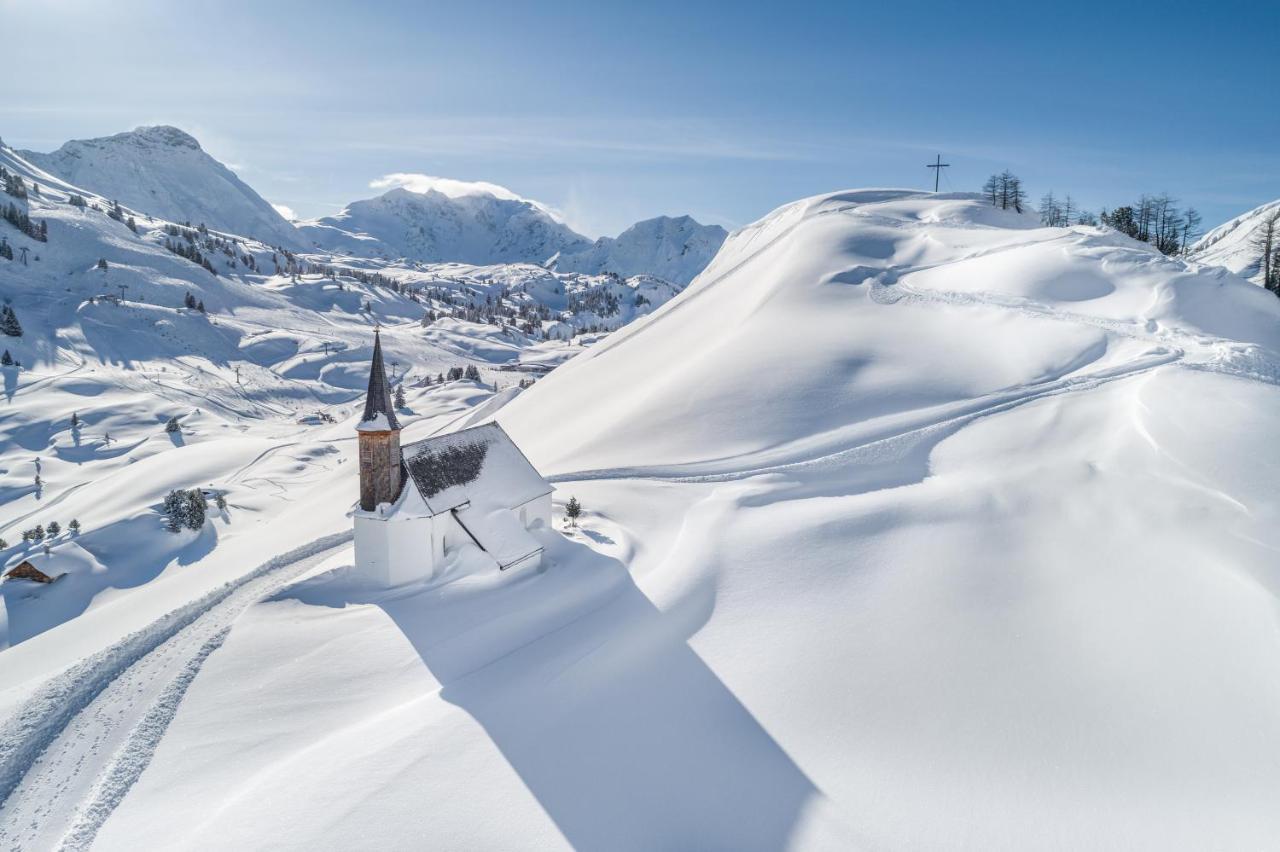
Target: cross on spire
x=937, y=165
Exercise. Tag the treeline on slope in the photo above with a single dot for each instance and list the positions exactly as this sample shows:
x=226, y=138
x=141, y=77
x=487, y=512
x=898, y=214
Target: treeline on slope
x=16, y=216
x=1154, y=219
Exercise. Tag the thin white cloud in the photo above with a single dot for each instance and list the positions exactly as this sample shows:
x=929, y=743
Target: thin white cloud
x=286, y=211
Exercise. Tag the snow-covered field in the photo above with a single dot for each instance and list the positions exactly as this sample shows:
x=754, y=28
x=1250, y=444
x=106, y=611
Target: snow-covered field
x=909, y=524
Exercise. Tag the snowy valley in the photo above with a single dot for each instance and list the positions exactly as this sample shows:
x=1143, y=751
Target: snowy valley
x=908, y=522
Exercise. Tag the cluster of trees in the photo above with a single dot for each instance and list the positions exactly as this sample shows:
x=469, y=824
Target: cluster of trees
x=1266, y=241
x=1156, y=219
x=1005, y=191
x=7, y=360
x=189, y=301
x=13, y=184
x=117, y=212
x=470, y=373
x=9, y=324
x=19, y=219
x=38, y=533
x=184, y=509
x=600, y=301
x=173, y=426
x=187, y=247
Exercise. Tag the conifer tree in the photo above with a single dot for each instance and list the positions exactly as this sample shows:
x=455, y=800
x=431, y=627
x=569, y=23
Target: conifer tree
x=195, y=509
x=175, y=510
x=74, y=527
x=573, y=511
x=173, y=426
x=55, y=529
x=9, y=324
x=400, y=396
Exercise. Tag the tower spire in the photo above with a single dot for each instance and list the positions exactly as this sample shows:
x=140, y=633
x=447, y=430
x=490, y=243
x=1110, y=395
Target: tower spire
x=379, y=433
x=378, y=399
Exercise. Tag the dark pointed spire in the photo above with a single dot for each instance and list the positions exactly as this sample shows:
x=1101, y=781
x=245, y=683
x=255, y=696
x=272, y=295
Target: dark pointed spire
x=378, y=399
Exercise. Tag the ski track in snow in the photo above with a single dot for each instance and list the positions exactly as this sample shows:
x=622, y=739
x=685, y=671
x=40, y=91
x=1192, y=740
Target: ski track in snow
x=895, y=444
x=70, y=754
x=1212, y=354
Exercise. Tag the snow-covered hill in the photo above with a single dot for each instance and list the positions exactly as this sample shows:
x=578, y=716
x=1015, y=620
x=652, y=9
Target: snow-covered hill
x=1232, y=243
x=163, y=172
x=675, y=249
x=908, y=524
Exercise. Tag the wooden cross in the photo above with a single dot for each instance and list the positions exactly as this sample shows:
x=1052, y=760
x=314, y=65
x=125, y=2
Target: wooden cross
x=938, y=166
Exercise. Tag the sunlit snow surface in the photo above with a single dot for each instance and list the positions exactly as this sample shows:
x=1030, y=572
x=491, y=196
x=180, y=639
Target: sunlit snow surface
x=908, y=525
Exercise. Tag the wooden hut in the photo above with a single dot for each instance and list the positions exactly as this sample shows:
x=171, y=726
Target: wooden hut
x=26, y=571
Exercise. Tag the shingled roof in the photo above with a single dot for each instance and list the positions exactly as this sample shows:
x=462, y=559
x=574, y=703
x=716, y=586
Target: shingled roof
x=378, y=400
x=480, y=465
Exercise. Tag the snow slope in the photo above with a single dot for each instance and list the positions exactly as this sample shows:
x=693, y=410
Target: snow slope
x=164, y=172
x=909, y=524
x=675, y=249
x=1230, y=244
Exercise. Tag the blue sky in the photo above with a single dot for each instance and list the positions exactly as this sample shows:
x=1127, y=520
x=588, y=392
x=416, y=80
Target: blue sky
x=616, y=112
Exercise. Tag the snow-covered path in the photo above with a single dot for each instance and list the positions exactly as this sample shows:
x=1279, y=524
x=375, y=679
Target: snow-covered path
x=71, y=754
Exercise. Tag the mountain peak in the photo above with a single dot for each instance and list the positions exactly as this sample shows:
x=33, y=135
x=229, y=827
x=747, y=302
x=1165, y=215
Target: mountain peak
x=162, y=134
x=162, y=171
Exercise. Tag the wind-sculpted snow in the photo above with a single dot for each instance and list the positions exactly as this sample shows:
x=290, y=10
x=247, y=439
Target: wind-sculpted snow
x=799, y=327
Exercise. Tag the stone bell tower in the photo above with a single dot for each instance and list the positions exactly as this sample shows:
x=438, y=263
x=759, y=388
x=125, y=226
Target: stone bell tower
x=379, y=439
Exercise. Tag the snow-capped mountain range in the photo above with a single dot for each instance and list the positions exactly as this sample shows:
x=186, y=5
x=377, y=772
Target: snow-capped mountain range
x=483, y=228
x=163, y=172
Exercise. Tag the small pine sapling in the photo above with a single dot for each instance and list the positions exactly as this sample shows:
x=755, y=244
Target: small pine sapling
x=573, y=511
x=74, y=527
